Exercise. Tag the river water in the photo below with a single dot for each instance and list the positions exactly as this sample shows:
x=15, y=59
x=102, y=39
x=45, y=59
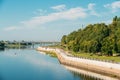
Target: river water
x=29, y=64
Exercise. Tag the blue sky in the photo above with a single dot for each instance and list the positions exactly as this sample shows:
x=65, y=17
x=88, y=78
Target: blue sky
x=49, y=20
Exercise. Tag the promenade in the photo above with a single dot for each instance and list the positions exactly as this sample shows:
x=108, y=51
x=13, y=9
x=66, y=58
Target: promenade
x=112, y=69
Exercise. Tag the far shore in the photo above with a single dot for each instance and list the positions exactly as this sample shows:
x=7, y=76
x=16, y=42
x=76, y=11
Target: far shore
x=106, y=68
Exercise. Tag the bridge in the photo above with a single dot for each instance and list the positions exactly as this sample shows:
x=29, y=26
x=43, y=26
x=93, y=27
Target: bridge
x=23, y=44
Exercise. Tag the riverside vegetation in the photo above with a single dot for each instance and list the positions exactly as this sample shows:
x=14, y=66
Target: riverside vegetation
x=50, y=53
x=98, y=41
x=14, y=44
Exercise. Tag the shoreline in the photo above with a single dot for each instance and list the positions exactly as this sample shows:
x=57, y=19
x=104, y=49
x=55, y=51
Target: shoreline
x=105, y=68
x=89, y=73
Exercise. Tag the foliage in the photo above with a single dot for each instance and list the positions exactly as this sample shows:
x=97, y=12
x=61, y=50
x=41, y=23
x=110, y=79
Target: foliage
x=2, y=45
x=95, y=38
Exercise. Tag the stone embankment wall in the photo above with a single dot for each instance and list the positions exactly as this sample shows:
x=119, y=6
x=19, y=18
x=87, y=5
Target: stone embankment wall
x=106, y=68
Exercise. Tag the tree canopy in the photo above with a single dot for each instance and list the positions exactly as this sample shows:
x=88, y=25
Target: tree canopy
x=95, y=38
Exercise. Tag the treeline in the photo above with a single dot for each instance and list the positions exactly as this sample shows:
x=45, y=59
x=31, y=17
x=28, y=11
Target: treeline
x=14, y=44
x=2, y=45
x=95, y=38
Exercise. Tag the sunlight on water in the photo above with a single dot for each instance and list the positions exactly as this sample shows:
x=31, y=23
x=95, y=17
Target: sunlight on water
x=25, y=64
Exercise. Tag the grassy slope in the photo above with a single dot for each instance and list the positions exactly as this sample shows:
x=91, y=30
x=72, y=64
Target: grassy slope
x=96, y=57
x=93, y=56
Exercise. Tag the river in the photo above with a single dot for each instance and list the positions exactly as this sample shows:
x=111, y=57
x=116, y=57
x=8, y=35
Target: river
x=29, y=64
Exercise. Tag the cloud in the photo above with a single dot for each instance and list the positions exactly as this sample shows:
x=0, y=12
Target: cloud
x=115, y=6
x=40, y=12
x=71, y=14
x=11, y=28
x=92, y=10
x=91, y=6
x=61, y=14
x=59, y=7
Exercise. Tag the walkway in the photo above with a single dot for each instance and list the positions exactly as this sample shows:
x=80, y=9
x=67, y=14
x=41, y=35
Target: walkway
x=93, y=65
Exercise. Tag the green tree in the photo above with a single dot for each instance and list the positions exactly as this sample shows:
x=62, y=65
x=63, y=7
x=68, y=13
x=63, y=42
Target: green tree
x=95, y=38
x=64, y=40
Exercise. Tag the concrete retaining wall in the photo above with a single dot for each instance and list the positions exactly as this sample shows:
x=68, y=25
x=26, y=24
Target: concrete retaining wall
x=91, y=65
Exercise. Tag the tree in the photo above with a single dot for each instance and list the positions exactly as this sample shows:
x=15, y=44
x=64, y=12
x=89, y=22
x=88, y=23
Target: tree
x=63, y=40
x=95, y=38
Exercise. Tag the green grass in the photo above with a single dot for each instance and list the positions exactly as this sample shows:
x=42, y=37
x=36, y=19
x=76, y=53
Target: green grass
x=15, y=46
x=50, y=53
x=113, y=59
x=55, y=46
x=96, y=57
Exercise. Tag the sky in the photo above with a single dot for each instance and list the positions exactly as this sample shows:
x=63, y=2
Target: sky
x=49, y=20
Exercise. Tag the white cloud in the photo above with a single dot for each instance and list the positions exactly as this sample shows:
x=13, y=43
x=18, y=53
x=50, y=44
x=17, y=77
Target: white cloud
x=92, y=10
x=91, y=6
x=11, y=28
x=71, y=14
x=114, y=6
x=40, y=12
x=59, y=7
x=62, y=14
x=107, y=5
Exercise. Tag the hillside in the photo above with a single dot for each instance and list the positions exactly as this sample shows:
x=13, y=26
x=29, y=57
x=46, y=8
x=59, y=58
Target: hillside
x=95, y=38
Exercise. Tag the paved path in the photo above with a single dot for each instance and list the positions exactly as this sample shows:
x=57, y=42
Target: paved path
x=87, y=61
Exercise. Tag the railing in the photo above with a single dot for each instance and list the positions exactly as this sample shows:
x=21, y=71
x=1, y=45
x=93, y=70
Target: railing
x=109, y=61
x=70, y=55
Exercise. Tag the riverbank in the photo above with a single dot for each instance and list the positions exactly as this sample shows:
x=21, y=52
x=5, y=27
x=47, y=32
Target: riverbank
x=50, y=53
x=85, y=73
x=106, y=68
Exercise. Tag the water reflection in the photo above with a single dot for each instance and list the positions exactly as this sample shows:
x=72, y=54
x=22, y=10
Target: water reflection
x=25, y=64
x=31, y=65
x=2, y=49
x=86, y=75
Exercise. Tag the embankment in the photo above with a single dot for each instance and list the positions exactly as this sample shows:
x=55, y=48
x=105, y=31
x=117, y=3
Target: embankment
x=105, y=68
